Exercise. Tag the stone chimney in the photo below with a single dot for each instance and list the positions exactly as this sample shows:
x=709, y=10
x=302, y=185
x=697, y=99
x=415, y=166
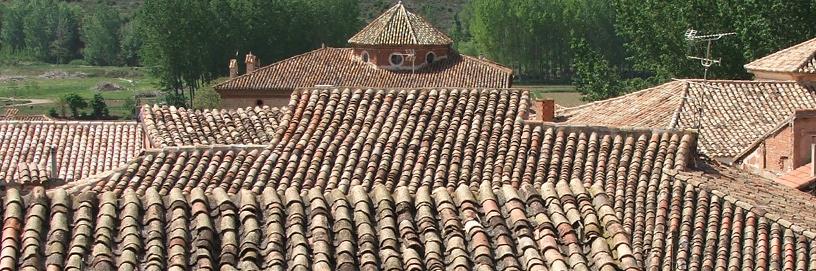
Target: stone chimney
x=251, y=62
x=544, y=110
x=233, y=68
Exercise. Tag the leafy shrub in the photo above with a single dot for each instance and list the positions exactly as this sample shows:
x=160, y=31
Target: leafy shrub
x=100, y=109
x=75, y=103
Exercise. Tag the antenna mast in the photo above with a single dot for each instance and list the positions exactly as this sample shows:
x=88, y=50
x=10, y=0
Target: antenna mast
x=707, y=61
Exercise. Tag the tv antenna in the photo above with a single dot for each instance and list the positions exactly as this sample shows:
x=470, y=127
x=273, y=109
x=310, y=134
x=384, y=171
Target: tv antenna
x=707, y=61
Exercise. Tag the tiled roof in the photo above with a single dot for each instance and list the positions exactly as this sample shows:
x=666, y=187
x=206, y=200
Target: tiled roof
x=83, y=148
x=651, y=108
x=800, y=178
x=726, y=221
x=30, y=174
x=12, y=113
x=24, y=118
x=398, y=26
x=171, y=126
x=555, y=227
x=439, y=138
x=800, y=58
x=338, y=67
x=730, y=115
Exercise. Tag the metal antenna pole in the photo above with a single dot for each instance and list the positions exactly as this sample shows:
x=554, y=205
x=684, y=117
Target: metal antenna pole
x=707, y=61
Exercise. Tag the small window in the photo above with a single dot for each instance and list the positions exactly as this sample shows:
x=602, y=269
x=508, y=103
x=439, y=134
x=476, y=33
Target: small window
x=430, y=57
x=259, y=102
x=364, y=56
x=396, y=59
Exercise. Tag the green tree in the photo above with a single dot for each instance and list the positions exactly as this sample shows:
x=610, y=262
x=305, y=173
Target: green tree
x=532, y=37
x=129, y=105
x=99, y=107
x=207, y=98
x=594, y=77
x=101, y=32
x=653, y=32
x=176, y=34
x=37, y=26
x=64, y=42
x=11, y=35
x=75, y=103
x=131, y=44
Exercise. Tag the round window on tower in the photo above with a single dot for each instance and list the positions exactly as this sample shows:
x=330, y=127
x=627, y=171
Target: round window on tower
x=430, y=57
x=396, y=59
x=364, y=56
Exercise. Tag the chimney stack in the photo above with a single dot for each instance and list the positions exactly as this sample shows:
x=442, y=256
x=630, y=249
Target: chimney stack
x=52, y=153
x=544, y=110
x=233, y=68
x=251, y=62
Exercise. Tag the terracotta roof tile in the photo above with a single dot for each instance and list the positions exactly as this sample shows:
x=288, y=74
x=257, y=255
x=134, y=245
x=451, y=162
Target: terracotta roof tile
x=724, y=220
x=171, y=126
x=486, y=229
x=24, y=118
x=432, y=179
x=30, y=174
x=800, y=58
x=799, y=178
x=337, y=138
x=338, y=67
x=398, y=26
x=730, y=115
x=11, y=113
x=83, y=148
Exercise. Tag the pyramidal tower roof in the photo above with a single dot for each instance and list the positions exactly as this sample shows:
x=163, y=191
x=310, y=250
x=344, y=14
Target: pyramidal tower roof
x=398, y=26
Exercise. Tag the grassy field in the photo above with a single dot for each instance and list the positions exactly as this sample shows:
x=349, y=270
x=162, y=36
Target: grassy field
x=564, y=95
x=50, y=82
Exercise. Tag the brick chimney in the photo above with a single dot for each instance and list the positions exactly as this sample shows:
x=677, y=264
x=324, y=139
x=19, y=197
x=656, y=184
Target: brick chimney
x=544, y=110
x=251, y=62
x=233, y=68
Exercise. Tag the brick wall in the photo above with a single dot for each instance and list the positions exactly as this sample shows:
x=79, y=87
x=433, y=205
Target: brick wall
x=804, y=129
x=786, y=149
x=380, y=55
x=248, y=98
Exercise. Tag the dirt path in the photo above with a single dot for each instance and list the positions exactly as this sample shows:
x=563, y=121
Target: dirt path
x=33, y=102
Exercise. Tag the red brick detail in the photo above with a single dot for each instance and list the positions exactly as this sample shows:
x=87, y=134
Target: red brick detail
x=545, y=110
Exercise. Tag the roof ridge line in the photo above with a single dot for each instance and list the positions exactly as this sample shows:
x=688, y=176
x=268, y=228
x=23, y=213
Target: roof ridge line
x=787, y=121
x=216, y=86
x=611, y=129
x=675, y=120
x=411, y=31
x=375, y=19
x=206, y=147
x=617, y=98
x=487, y=62
x=806, y=61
